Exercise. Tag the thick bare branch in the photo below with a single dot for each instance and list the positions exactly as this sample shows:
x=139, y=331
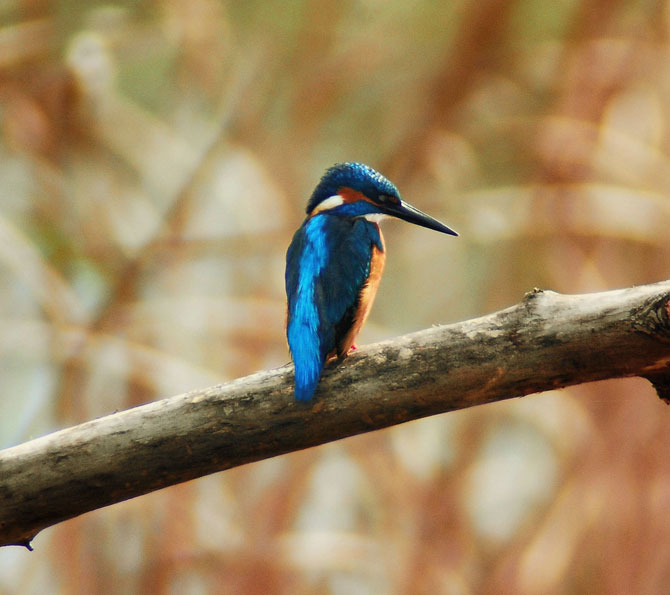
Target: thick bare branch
x=547, y=341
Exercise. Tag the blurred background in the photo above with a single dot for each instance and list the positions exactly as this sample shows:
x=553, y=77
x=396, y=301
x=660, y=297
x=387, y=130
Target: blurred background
x=155, y=159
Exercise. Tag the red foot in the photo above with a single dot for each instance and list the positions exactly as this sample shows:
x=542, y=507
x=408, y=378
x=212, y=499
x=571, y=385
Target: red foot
x=334, y=358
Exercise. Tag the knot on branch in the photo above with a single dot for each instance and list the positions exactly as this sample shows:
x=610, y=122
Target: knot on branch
x=653, y=318
x=532, y=294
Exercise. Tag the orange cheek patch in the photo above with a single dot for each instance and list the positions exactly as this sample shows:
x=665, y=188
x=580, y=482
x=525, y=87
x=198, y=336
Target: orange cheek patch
x=350, y=195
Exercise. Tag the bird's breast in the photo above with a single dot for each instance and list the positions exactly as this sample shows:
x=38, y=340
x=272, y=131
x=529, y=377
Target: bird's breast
x=367, y=293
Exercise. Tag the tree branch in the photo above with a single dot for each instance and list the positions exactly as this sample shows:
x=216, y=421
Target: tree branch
x=545, y=342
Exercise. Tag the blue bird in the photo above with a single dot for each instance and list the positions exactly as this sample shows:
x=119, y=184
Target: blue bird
x=334, y=265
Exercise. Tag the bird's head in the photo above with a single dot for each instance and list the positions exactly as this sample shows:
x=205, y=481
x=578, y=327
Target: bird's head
x=356, y=190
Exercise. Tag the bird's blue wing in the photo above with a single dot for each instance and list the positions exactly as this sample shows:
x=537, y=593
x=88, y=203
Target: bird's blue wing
x=327, y=264
x=306, y=257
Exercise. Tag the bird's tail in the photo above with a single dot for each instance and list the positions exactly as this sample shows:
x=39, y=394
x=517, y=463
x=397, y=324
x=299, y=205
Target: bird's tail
x=307, y=375
x=308, y=363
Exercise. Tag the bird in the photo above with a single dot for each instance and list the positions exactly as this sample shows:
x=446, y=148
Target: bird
x=334, y=264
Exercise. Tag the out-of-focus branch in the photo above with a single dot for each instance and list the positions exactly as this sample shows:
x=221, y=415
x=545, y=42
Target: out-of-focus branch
x=546, y=341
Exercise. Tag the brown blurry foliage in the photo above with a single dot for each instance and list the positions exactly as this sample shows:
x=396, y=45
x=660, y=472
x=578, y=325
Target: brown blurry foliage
x=154, y=161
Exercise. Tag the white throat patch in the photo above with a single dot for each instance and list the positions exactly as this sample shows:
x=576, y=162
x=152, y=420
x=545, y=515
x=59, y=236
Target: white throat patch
x=375, y=217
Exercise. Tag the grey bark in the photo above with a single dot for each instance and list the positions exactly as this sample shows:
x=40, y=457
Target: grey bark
x=547, y=341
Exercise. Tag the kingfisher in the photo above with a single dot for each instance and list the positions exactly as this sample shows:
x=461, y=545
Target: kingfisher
x=334, y=265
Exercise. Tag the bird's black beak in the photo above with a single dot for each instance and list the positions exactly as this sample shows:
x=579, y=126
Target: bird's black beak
x=407, y=212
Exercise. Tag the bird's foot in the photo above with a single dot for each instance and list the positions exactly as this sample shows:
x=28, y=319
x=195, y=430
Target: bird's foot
x=335, y=358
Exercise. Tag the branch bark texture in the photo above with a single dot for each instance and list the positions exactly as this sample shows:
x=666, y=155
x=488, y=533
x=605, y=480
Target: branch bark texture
x=545, y=342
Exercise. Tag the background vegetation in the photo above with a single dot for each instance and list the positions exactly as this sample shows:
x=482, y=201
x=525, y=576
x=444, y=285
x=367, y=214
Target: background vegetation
x=155, y=158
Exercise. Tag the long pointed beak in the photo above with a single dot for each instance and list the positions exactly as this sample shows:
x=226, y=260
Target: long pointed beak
x=407, y=212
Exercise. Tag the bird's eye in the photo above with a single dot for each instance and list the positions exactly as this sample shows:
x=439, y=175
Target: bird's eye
x=387, y=198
